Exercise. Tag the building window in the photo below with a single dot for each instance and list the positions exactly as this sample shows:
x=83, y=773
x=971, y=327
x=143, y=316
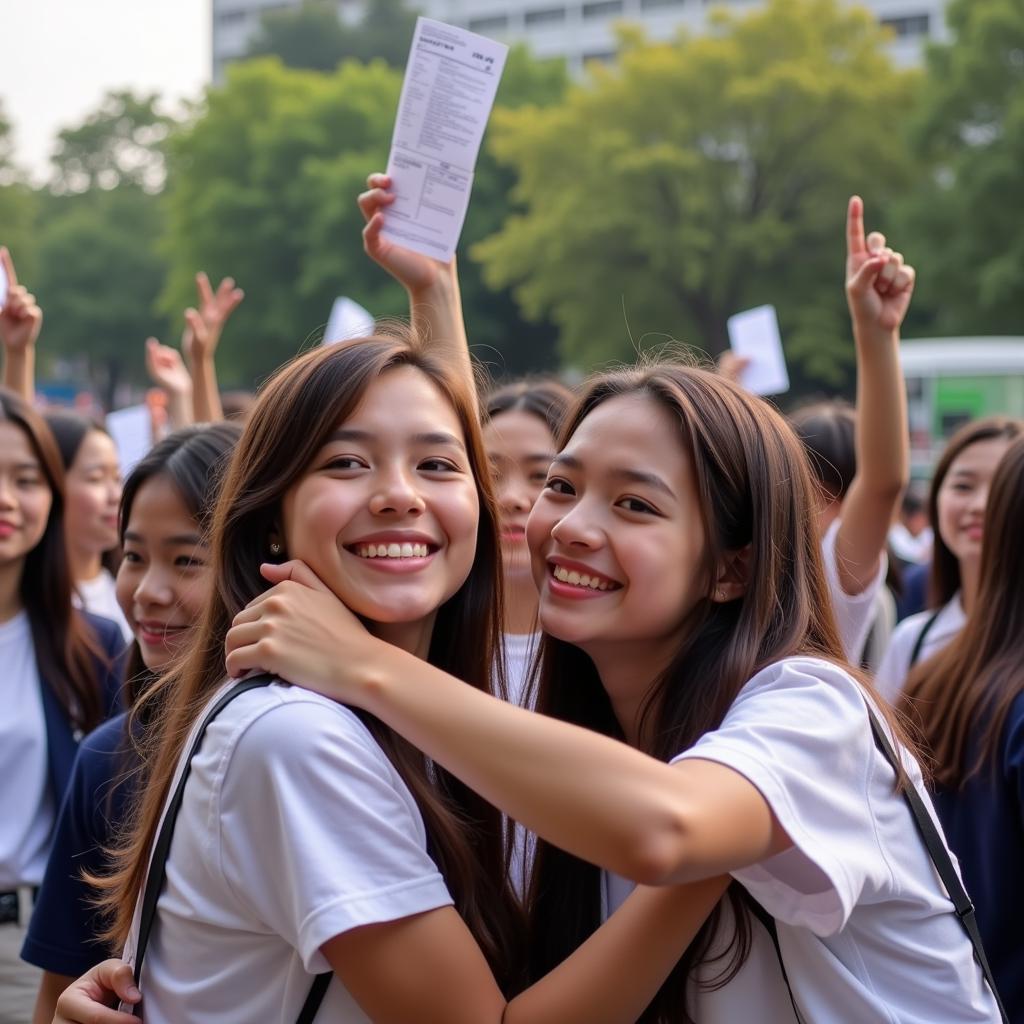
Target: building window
x=602, y=9
x=494, y=23
x=654, y=5
x=910, y=25
x=546, y=16
x=231, y=17
x=601, y=56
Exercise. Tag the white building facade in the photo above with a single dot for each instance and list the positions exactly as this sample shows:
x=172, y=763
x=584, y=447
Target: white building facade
x=579, y=30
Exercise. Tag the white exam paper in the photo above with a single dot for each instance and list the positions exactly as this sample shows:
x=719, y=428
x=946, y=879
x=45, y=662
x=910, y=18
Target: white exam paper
x=449, y=88
x=3, y=286
x=348, y=320
x=754, y=335
x=132, y=431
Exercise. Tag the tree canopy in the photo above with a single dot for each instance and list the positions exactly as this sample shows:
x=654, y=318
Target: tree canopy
x=697, y=178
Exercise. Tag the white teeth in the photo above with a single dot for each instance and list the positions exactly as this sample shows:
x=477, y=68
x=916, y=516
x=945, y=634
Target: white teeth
x=395, y=550
x=579, y=579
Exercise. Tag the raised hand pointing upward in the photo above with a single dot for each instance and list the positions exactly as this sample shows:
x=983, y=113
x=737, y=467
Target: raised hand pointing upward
x=878, y=283
x=20, y=322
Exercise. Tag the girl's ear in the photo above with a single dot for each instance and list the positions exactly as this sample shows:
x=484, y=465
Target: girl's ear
x=733, y=576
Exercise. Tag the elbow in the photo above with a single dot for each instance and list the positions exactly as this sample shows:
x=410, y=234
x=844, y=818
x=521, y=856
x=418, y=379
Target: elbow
x=659, y=855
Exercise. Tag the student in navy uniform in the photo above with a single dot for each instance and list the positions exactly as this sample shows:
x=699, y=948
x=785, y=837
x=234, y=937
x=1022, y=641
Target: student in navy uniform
x=162, y=584
x=968, y=701
x=60, y=678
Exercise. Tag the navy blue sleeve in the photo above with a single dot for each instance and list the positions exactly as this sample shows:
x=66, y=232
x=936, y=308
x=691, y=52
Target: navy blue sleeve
x=62, y=935
x=1013, y=758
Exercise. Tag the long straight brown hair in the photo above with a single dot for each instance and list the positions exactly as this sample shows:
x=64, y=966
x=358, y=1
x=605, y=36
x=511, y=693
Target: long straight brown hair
x=944, y=577
x=755, y=491
x=296, y=413
x=67, y=651
x=960, y=697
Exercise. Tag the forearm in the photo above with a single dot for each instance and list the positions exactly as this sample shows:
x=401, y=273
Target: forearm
x=50, y=988
x=436, y=314
x=179, y=408
x=206, y=405
x=589, y=794
x=613, y=976
x=883, y=459
x=19, y=372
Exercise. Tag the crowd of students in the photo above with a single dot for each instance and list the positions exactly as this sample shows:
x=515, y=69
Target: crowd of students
x=555, y=706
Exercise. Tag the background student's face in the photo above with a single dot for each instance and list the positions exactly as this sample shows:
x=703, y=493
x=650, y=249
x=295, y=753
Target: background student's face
x=164, y=578
x=963, y=496
x=520, y=448
x=386, y=513
x=92, y=493
x=25, y=496
x=620, y=510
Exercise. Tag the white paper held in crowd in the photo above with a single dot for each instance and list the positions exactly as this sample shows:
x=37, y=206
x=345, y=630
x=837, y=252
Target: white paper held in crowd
x=132, y=431
x=348, y=320
x=3, y=286
x=754, y=335
x=449, y=88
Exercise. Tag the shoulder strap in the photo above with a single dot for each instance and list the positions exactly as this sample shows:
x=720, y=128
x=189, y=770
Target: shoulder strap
x=772, y=928
x=915, y=652
x=939, y=855
x=158, y=865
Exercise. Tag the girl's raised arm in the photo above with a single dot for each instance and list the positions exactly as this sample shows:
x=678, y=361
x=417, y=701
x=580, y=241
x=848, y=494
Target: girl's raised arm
x=435, y=302
x=878, y=290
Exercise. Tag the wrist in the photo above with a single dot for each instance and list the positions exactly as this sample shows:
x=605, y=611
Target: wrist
x=444, y=285
x=874, y=335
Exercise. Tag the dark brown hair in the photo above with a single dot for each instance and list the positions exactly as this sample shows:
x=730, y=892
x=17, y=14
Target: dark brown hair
x=755, y=491
x=544, y=397
x=828, y=433
x=66, y=649
x=960, y=697
x=294, y=416
x=944, y=578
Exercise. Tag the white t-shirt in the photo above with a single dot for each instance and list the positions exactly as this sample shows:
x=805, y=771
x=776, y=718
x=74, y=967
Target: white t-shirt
x=99, y=597
x=866, y=932
x=27, y=805
x=295, y=827
x=520, y=649
x=854, y=612
x=892, y=673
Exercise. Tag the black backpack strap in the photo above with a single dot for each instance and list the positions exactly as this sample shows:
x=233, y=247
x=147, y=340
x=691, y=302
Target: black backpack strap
x=772, y=929
x=162, y=847
x=316, y=996
x=939, y=855
x=915, y=652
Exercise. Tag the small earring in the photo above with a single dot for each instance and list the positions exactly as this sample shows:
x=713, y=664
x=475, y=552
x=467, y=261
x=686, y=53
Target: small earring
x=275, y=548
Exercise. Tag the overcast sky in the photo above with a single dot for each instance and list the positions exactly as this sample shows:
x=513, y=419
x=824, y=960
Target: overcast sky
x=58, y=58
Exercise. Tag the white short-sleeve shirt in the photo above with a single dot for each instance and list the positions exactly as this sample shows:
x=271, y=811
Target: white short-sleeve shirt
x=866, y=930
x=854, y=612
x=295, y=827
x=895, y=667
x=27, y=802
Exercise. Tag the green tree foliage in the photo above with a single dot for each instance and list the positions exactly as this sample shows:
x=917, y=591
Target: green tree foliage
x=312, y=36
x=965, y=217
x=98, y=281
x=262, y=187
x=17, y=205
x=121, y=143
x=698, y=178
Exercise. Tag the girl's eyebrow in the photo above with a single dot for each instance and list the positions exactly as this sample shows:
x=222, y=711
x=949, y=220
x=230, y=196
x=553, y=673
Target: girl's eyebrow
x=441, y=437
x=178, y=539
x=635, y=476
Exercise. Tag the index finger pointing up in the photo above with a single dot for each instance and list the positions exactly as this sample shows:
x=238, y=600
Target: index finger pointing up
x=8, y=264
x=855, y=244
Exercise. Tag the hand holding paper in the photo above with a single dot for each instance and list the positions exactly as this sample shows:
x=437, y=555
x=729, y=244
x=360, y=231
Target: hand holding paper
x=754, y=337
x=450, y=83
